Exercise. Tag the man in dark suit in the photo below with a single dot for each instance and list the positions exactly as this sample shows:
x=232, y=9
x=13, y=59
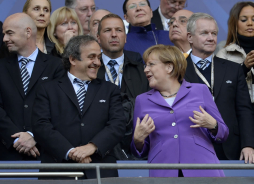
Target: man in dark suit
x=128, y=74
x=227, y=84
x=165, y=11
x=79, y=118
x=20, y=76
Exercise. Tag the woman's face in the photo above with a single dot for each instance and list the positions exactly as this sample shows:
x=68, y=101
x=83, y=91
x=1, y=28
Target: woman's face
x=156, y=71
x=68, y=28
x=39, y=11
x=245, y=24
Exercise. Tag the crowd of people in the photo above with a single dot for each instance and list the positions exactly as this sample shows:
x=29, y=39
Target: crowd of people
x=77, y=87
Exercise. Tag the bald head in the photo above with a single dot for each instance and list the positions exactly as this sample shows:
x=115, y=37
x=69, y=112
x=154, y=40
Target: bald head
x=20, y=33
x=178, y=29
x=94, y=21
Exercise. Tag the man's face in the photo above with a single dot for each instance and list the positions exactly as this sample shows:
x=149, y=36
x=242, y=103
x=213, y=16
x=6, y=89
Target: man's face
x=138, y=13
x=112, y=36
x=178, y=26
x=15, y=37
x=170, y=7
x=84, y=10
x=205, y=38
x=94, y=21
x=88, y=67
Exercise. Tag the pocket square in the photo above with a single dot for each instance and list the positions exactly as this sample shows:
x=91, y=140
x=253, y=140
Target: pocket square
x=44, y=78
x=229, y=81
x=102, y=101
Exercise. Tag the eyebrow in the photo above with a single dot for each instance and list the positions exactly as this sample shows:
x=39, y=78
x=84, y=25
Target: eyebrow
x=182, y=17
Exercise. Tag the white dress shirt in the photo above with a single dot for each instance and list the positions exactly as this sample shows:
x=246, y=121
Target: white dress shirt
x=164, y=20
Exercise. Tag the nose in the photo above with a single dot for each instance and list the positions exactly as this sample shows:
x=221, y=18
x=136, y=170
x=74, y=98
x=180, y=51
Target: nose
x=89, y=13
x=70, y=26
x=113, y=32
x=146, y=68
x=249, y=21
x=5, y=39
x=42, y=12
x=97, y=61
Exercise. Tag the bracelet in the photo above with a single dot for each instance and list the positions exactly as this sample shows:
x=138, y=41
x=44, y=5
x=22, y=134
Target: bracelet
x=216, y=126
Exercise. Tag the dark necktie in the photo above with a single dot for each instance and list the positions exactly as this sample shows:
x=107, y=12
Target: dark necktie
x=25, y=77
x=81, y=93
x=112, y=69
x=203, y=63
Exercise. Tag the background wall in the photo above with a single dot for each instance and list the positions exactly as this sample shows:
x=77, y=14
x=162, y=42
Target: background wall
x=219, y=9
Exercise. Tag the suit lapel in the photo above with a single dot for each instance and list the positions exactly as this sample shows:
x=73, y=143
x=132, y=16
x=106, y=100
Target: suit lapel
x=219, y=73
x=101, y=71
x=127, y=76
x=156, y=98
x=93, y=89
x=190, y=74
x=39, y=66
x=66, y=86
x=183, y=91
x=12, y=66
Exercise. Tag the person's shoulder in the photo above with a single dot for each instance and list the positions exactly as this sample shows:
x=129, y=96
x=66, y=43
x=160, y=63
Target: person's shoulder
x=227, y=62
x=49, y=57
x=146, y=94
x=134, y=57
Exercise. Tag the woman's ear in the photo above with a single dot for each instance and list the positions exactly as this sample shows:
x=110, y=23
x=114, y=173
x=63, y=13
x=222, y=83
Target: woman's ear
x=169, y=67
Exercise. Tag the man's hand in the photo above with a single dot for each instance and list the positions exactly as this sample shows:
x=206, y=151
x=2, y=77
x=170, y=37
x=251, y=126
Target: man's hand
x=24, y=143
x=33, y=152
x=80, y=154
x=248, y=155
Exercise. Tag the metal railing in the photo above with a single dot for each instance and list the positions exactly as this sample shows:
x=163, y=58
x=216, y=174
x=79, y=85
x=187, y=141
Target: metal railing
x=127, y=166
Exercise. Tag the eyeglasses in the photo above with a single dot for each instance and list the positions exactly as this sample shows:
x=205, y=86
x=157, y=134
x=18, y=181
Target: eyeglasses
x=182, y=20
x=180, y=4
x=86, y=9
x=134, y=5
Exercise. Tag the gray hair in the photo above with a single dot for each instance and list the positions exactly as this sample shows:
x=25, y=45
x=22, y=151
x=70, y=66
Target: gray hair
x=70, y=3
x=89, y=21
x=73, y=48
x=191, y=25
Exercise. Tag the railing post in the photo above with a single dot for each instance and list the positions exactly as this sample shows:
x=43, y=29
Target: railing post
x=98, y=174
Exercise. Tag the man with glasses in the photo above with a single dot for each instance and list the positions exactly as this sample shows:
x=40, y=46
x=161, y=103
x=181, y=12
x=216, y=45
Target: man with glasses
x=84, y=10
x=142, y=34
x=165, y=11
x=178, y=31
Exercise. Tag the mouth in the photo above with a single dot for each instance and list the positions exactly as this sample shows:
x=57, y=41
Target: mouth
x=250, y=30
x=148, y=77
x=41, y=21
x=140, y=15
x=175, y=32
x=114, y=42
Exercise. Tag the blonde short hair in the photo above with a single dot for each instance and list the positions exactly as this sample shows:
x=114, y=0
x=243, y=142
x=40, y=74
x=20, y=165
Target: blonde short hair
x=57, y=17
x=27, y=4
x=169, y=54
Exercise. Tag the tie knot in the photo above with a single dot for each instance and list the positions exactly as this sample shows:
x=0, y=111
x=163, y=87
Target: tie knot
x=24, y=61
x=112, y=63
x=80, y=82
x=202, y=61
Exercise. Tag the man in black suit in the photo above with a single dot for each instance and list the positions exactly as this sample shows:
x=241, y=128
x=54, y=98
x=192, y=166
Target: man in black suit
x=79, y=118
x=227, y=84
x=128, y=73
x=18, y=82
x=165, y=11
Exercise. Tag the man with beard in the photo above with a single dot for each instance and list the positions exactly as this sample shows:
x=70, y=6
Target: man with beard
x=79, y=118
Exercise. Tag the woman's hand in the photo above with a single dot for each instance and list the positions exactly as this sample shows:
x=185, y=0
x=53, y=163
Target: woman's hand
x=142, y=130
x=68, y=35
x=249, y=60
x=203, y=119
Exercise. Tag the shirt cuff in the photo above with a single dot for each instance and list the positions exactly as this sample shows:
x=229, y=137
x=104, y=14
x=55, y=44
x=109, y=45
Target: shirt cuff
x=66, y=156
x=30, y=133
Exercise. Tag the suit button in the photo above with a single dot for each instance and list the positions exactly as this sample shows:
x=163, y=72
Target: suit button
x=26, y=106
x=24, y=127
x=218, y=139
x=171, y=112
x=82, y=124
x=175, y=136
x=4, y=143
x=173, y=124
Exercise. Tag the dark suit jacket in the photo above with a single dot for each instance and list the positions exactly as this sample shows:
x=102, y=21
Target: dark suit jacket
x=233, y=103
x=59, y=125
x=15, y=106
x=134, y=81
x=156, y=19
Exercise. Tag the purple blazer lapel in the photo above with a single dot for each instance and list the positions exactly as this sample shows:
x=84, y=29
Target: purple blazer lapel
x=183, y=91
x=156, y=98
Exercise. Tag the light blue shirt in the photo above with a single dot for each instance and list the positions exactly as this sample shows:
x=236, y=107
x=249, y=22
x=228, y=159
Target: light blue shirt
x=196, y=59
x=30, y=64
x=119, y=61
x=76, y=88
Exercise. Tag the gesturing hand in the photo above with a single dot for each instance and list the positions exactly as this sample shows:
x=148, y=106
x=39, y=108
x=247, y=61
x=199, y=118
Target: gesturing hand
x=249, y=60
x=203, y=119
x=142, y=130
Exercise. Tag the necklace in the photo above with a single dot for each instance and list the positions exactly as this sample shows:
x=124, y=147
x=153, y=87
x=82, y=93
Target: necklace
x=169, y=95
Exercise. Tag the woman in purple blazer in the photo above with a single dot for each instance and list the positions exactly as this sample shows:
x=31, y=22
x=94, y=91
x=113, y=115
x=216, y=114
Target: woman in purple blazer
x=177, y=121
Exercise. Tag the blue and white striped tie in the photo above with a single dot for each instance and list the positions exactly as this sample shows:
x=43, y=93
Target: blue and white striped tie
x=112, y=69
x=203, y=63
x=81, y=93
x=25, y=77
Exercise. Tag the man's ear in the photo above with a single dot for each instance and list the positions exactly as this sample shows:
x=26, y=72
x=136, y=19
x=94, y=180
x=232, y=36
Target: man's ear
x=72, y=60
x=28, y=32
x=189, y=37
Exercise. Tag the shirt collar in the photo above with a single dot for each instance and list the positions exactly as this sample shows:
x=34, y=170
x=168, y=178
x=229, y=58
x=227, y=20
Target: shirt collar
x=32, y=57
x=196, y=59
x=164, y=19
x=106, y=59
